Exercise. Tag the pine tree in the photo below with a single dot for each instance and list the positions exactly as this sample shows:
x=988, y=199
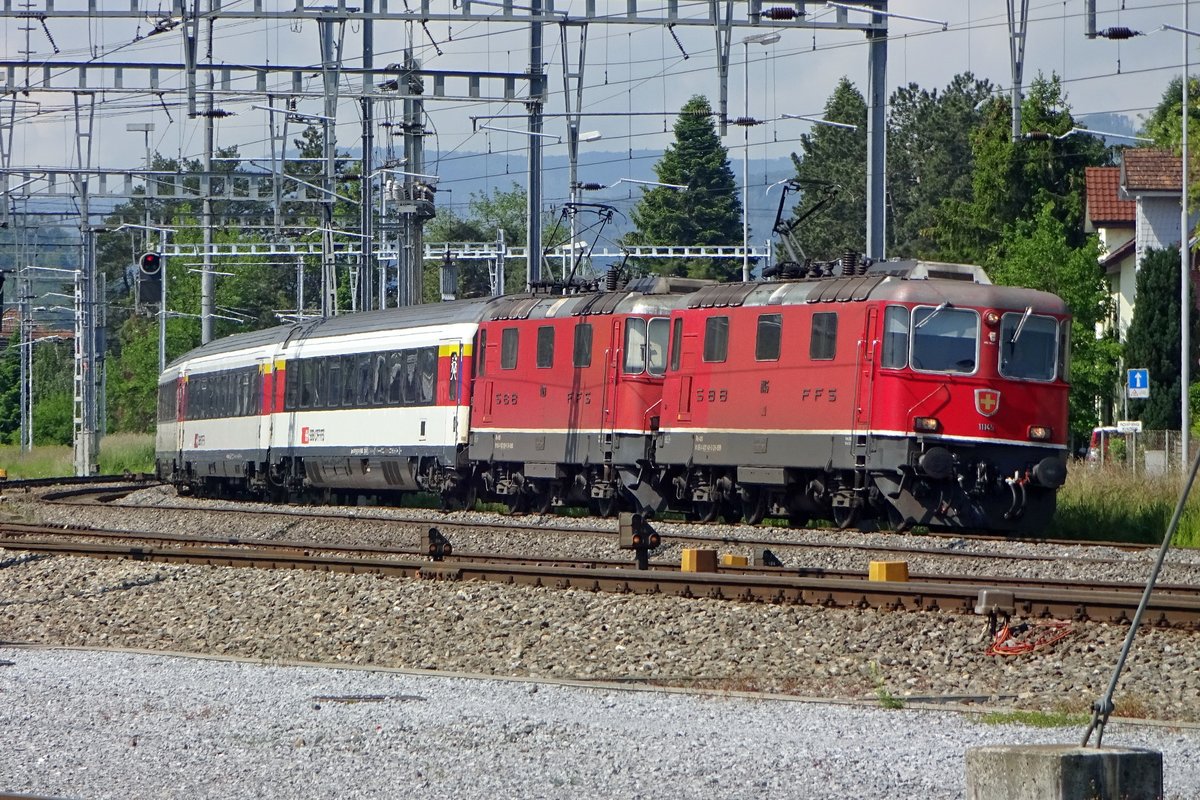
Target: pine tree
x=10, y=389
x=707, y=212
x=835, y=155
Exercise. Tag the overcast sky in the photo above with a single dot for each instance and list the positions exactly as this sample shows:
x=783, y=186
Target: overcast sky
x=629, y=68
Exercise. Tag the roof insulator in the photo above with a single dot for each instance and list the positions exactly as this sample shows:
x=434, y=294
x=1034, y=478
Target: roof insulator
x=746, y=122
x=1038, y=136
x=1118, y=33
x=779, y=13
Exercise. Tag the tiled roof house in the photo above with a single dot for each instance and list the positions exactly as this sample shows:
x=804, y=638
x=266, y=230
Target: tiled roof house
x=1133, y=208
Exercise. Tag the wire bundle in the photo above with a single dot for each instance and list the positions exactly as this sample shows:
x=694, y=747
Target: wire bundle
x=1005, y=642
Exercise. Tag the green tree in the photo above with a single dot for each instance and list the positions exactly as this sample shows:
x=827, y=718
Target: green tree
x=1153, y=339
x=1013, y=180
x=1037, y=256
x=929, y=157
x=53, y=393
x=707, y=212
x=486, y=216
x=1164, y=123
x=836, y=156
x=10, y=389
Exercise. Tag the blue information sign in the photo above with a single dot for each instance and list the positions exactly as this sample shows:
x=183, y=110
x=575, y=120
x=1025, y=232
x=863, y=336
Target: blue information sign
x=1139, y=383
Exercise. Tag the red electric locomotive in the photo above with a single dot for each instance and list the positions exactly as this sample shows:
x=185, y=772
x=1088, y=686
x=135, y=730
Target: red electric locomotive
x=566, y=395
x=913, y=392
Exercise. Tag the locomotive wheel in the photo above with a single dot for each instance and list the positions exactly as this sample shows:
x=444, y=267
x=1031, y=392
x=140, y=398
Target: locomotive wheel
x=517, y=503
x=731, y=513
x=754, y=503
x=846, y=516
x=603, y=506
x=705, y=510
x=542, y=499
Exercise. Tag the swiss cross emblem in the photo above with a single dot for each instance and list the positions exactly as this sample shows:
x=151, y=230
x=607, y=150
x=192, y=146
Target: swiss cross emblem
x=987, y=401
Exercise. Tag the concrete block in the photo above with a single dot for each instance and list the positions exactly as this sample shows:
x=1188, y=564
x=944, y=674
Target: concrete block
x=888, y=571
x=1063, y=772
x=698, y=560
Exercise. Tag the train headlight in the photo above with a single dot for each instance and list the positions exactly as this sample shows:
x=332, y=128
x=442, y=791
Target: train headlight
x=1040, y=433
x=991, y=319
x=926, y=425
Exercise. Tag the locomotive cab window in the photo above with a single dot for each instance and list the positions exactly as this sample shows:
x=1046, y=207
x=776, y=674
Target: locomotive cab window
x=769, y=338
x=895, y=337
x=944, y=339
x=635, y=346
x=508, y=348
x=1028, y=346
x=545, y=347
x=823, y=344
x=716, y=339
x=676, y=343
x=582, y=357
x=657, y=332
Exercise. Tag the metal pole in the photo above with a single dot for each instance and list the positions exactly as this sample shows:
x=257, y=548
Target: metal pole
x=876, y=132
x=367, y=278
x=746, y=168
x=206, y=268
x=162, y=301
x=533, y=236
x=1185, y=258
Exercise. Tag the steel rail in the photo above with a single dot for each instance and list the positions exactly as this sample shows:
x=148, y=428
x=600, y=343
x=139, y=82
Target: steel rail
x=15, y=534
x=1164, y=610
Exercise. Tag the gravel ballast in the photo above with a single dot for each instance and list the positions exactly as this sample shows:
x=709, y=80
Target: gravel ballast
x=120, y=725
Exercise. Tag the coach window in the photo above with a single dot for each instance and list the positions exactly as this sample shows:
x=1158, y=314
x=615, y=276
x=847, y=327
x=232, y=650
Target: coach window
x=770, y=337
x=410, y=377
x=635, y=346
x=291, y=385
x=304, y=374
x=1028, y=346
x=395, y=378
x=716, y=338
x=332, y=366
x=545, y=347
x=676, y=343
x=349, y=381
x=582, y=357
x=823, y=344
x=428, y=366
x=944, y=339
x=380, y=376
x=366, y=381
x=508, y=348
x=895, y=337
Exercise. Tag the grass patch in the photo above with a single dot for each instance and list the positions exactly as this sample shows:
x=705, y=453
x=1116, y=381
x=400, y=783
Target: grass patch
x=886, y=698
x=1037, y=719
x=121, y=452
x=1109, y=502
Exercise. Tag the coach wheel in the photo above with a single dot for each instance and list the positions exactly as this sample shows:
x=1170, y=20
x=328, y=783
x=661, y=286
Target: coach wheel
x=542, y=498
x=754, y=504
x=517, y=502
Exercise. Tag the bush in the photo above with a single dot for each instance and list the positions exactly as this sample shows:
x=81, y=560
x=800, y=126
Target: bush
x=1110, y=502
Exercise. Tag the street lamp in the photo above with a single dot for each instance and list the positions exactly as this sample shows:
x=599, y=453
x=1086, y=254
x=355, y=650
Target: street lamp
x=765, y=39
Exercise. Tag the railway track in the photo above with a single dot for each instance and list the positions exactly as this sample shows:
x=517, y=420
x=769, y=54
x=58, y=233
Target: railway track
x=1170, y=606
